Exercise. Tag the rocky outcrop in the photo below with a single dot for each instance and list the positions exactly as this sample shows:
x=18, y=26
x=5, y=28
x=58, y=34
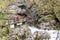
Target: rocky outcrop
x=20, y=33
x=40, y=35
x=24, y=33
x=40, y=6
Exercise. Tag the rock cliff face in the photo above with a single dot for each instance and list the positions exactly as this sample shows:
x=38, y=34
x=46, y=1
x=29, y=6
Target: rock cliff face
x=44, y=7
x=44, y=14
x=39, y=10
x=40, y=6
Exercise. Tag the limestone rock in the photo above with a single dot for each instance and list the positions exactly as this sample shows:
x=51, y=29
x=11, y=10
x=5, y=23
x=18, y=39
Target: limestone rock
x=40, y=35
x=21, y=32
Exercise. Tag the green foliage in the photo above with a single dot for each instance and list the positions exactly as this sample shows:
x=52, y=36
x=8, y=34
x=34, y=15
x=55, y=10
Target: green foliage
x=4, y=31
x=44, y=6
x=2, y=22
x=57, y=9
x=49, y=7
x=4, y=38
x=1, y=17
x=45, y=18
x=3, y=5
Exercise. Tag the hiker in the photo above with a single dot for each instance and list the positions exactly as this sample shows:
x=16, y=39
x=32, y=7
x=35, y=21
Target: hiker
x=16, y=20
x=35, y=16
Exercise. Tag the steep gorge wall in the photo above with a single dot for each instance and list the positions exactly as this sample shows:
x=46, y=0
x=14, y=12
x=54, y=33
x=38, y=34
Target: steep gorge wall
x=49, y=7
